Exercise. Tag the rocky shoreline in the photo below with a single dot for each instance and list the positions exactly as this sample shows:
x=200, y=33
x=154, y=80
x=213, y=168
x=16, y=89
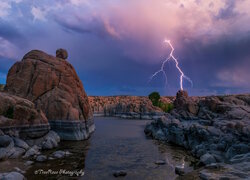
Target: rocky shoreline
x=215, y=129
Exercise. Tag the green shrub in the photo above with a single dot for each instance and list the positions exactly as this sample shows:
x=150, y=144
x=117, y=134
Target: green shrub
x=154, y=97
x=9, y=113
x=166, y=107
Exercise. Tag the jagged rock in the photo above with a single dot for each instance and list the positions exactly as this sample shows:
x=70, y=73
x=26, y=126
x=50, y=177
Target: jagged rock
x=61, y=53
x=54, y=87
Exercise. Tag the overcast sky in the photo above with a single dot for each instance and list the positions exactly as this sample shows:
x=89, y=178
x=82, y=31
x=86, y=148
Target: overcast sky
x=116, y=45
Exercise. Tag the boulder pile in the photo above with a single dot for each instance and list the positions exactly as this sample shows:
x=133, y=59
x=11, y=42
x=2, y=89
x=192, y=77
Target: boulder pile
x=216, y=129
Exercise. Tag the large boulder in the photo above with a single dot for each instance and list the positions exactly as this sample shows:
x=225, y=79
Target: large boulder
x=52, y=84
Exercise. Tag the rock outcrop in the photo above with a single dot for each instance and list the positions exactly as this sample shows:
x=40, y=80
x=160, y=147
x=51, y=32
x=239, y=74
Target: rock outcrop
x=216, y=129
x=19, y=116
x=52, y=84
x=129, y=107
x=22, y=126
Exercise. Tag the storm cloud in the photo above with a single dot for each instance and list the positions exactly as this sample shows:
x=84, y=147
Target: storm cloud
x=116, y=45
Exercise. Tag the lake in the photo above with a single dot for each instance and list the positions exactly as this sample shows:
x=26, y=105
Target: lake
x=117, y=144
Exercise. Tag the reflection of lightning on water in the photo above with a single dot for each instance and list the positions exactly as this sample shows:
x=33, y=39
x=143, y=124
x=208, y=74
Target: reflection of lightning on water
x=171, y=57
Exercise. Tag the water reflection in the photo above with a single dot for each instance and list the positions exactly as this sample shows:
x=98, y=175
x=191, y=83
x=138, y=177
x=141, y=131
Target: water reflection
x=116, y=145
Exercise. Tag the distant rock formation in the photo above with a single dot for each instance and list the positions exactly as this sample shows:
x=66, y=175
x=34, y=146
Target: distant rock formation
x=215, y=128
x=54, y=87
x=129, y=107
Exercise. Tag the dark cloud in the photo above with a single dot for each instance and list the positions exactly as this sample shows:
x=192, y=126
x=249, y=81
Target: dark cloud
x=94, y=26
x=8, y=31
x=228, y=11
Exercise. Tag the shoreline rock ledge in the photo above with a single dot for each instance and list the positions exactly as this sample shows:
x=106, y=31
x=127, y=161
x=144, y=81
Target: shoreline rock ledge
x=53, y=85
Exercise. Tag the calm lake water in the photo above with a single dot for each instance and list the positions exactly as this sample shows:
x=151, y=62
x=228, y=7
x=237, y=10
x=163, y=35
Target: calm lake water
x=117, y=144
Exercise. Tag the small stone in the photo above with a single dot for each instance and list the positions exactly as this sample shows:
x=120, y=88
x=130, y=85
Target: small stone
x=59, y=154
x=207, y=159
x=160, y=162
x=41, y=158
x=51, y=158
x=120, y=173
x=28, y=163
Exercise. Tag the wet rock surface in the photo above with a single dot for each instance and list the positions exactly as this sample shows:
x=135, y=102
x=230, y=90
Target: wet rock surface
x=216, y=129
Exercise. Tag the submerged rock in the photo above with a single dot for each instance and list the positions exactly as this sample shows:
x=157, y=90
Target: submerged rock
x=160, y=162
x=120, y=173
x=60, y=154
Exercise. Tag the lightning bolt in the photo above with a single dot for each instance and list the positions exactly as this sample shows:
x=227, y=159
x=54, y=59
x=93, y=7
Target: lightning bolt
x=171, y=57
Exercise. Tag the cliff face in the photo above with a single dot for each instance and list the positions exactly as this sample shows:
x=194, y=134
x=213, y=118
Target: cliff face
x=52, y=84
x=125, y=106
